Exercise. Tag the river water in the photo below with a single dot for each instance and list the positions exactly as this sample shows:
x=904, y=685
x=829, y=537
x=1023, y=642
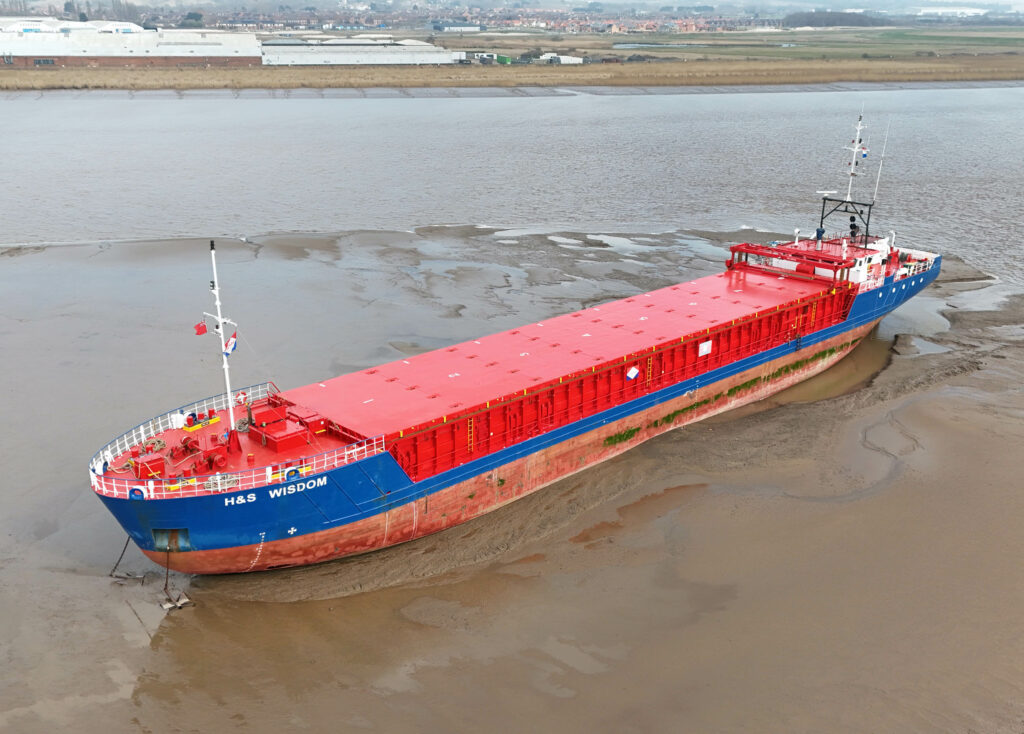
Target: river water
x=82, y=167
x=805, y=568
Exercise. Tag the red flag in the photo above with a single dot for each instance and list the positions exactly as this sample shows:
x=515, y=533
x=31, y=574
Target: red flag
x=200, y=328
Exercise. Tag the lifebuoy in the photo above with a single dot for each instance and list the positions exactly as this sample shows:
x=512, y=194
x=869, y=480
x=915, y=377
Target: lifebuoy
x=137, y=493
x=241, y=397
x=292, y=473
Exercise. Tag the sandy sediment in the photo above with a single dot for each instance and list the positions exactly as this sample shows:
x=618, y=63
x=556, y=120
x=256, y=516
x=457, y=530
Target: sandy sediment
x=955, y=68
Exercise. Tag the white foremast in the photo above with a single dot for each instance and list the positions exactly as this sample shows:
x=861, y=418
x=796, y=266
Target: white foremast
x=219, y=328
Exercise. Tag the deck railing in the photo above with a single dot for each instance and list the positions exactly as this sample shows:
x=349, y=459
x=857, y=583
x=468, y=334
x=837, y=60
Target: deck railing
x=295, y=469
x=152, y=427
x=911, y=269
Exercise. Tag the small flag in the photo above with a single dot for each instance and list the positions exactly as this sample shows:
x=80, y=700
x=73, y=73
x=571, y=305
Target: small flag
x=200, y=328
x=231, y=343
x=631, y=373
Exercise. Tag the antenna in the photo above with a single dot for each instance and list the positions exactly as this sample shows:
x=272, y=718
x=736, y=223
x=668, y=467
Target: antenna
x=857, y=212
x=881, y=160
x=857, y=147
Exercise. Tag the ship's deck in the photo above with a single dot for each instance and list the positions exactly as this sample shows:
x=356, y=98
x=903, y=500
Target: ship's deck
x=346, y=418
x=251, y=446
x=426, y=387
x=165, y=462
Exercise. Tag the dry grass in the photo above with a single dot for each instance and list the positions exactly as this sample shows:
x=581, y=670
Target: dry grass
x=671, y=73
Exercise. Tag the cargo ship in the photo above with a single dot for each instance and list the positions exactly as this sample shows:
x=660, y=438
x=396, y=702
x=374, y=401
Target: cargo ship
x=260, y=478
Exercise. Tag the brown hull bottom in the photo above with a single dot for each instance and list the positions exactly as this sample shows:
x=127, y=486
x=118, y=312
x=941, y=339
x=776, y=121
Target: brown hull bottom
x=491, y=490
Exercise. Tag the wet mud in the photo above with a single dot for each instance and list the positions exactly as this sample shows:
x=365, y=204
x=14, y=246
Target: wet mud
x=843, y=557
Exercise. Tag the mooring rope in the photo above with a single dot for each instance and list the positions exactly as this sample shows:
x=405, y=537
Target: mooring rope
x=126, y=542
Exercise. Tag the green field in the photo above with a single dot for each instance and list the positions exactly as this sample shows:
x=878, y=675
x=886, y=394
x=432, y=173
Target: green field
x=848, y=43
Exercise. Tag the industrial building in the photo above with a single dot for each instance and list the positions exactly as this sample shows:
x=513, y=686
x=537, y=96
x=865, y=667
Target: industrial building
x=41, y=42
x=49, y=42
x=360, y=50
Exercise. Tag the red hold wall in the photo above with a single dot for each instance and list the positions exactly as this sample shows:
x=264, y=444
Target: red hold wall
x=486, y=492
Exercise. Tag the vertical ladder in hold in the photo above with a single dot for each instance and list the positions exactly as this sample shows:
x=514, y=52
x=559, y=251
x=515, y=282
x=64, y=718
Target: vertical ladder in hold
x=469, y=436
x=650, y=361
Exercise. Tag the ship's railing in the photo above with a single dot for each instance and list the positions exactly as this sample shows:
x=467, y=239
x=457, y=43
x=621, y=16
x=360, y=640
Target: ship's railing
x=293, y=471
x=152, y=427
x=914, y=268
x=830, y=238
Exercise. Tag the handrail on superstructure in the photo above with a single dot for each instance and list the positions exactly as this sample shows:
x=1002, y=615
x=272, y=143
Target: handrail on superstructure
x=792, y=252
x=769, y=255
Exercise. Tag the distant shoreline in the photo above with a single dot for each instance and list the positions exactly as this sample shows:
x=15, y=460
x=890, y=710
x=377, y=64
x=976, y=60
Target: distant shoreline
x=466, y=92
x=695, y=73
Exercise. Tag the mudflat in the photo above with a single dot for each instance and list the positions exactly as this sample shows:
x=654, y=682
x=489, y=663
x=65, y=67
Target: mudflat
x=845, y=559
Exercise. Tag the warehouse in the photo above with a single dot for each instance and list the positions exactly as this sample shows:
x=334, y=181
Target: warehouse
x=353, y=51
x=44, y=42
x=50, y=42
